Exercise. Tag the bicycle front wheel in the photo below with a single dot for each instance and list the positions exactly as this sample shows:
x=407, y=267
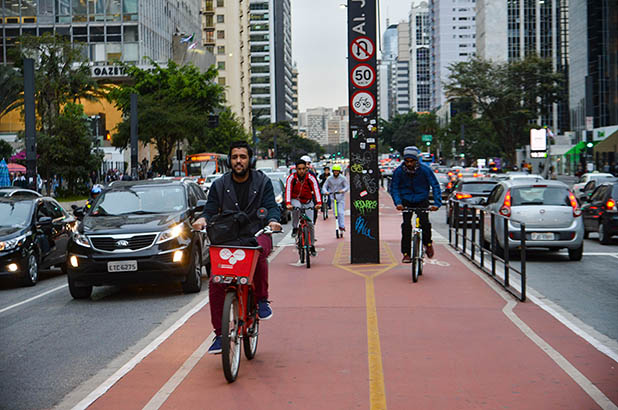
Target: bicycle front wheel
x=230, y=337
x=307, y=237
x=415, y=256
x=250, y=339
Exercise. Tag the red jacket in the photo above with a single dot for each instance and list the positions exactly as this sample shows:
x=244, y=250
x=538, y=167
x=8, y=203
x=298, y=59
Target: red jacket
x=304, y=190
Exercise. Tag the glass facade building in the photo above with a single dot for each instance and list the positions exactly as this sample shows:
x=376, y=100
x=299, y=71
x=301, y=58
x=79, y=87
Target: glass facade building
x=420, y=58
x=110, y=30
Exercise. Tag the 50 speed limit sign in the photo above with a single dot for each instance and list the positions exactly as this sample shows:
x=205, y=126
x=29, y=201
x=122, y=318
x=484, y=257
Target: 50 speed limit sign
x=363, y=76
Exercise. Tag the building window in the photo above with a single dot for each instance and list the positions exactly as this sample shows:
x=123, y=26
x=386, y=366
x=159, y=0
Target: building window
x=220, y=18
x=220, y=49
x=221, y=65
x=220, y=34
x=221, y=80
x=220, y=3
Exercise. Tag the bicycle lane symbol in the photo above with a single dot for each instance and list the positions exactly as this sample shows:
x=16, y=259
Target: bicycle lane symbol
x=363, y=103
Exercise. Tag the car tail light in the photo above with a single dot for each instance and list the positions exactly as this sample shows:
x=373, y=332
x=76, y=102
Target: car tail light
x=449, y=185
x=576, y=209
x=450, y=174
x=610, y=205
x=505, y=209
x=462, y=195
x=460, y=175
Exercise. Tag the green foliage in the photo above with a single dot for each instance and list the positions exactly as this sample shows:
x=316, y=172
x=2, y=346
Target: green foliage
x=510, y=96
x=290, y=145
x=407, y=129
x=11, y=88
x=173, y=105
x=480, y=140
x=6, y=150
x=219, y=139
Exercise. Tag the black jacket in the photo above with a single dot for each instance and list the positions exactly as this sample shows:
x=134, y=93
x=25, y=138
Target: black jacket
x=222, y=197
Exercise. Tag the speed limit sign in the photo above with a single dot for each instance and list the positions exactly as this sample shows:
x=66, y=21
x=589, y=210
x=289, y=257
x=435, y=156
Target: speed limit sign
x=363, y=76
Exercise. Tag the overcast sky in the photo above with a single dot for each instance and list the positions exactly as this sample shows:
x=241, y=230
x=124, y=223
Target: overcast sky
x=319, y=47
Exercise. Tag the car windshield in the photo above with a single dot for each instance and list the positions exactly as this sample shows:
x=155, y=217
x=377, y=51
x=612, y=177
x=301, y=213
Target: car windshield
x=478, y=188
x=140, y=200
x=15, y=213
x=540, y=195
x=277, y=190
x=443, y=178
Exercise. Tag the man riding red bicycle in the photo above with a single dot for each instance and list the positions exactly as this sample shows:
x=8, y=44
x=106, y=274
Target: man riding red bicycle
x=243, y=189
x=410, y=189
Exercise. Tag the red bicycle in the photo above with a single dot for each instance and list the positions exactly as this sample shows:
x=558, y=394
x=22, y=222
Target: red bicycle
x=234, y=266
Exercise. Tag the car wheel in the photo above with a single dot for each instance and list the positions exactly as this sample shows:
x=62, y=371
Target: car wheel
x=31, y=275
x=193, y=281
x=79, y=292
x=576, y=254
x=586, y=234
x=604, y=238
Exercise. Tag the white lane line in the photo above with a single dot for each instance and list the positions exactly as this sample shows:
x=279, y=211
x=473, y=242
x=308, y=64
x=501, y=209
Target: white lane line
x=107, y=384
x=597, y=395
x=32, y=298
x=174, y=381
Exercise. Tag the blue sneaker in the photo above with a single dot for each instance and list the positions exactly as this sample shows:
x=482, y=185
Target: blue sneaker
x=215, y=347
x=264, y=310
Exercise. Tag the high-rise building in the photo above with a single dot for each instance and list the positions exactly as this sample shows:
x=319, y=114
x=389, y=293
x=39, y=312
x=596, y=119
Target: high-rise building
x=270, y=30
x=402, y=86
x=453, y=32
x=317, y=124
x=593, y=68
x=387, y=74
x=295, y=97
x=226, y=34
x=111, y=30
x=512, y=30
x=420, y=70
x=338, y=126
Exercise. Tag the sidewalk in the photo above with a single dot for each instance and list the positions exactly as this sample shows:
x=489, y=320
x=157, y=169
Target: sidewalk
x=364, y=336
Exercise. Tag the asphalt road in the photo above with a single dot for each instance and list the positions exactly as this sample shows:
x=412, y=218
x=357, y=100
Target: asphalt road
x=52, y=344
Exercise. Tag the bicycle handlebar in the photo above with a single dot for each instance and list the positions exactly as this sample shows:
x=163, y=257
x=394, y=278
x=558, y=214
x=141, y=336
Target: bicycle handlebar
x=303, y=208
x=265, y=230
x=408, y=209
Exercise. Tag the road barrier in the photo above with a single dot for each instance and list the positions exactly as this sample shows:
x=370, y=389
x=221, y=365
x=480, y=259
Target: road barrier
x=466, y=234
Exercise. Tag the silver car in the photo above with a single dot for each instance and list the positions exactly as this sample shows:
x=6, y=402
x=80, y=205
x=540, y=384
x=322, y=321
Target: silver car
x=549, y=210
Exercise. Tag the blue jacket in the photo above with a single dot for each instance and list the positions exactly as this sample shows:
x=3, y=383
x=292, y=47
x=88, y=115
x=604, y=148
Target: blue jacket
x=415, y=188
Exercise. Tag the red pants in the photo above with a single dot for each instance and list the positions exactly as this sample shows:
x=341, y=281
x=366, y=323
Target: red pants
x=216, y=291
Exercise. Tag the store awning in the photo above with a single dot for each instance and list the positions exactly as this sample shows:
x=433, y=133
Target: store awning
x=609, y=144
x=579, y=148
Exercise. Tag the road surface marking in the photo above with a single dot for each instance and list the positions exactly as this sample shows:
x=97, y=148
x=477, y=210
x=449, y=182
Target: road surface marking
x=32, y=298
x=595, y=394
x=107, y=384
x=377, y=392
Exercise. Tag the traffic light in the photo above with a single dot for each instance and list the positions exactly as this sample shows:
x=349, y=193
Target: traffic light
x=108, y=136
x=428, y=143
x=589, y=145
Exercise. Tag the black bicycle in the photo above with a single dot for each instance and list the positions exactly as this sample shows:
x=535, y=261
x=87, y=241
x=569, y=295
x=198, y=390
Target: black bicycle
x=303, y=238
x=325, y=206
x=418, y=252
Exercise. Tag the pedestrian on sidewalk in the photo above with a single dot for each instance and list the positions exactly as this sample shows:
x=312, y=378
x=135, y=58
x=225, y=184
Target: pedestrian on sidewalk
x=337, y=185
x=410, y=188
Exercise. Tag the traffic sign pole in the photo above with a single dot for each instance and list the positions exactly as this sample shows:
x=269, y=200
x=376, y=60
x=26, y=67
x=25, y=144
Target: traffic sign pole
x=364, y=172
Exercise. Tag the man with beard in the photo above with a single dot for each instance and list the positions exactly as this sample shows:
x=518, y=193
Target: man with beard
x=243, y=189
x=410, y=188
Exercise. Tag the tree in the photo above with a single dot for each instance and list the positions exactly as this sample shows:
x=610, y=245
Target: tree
x=219, y=139
x=6, y=150
x=403, y=130
x=290, y=146
x=173, y=104
x=479, y=142
x=11, y=88
x=511, y=96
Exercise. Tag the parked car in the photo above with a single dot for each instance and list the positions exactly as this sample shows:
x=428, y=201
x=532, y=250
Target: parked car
x=590, y=186
x=7, y=192
x=34, y=233
x=469, y=190
x=583, y=180
x=549, y=209
x=139, y=232
x=600, y=212
x=445, y=189
x=279, y=191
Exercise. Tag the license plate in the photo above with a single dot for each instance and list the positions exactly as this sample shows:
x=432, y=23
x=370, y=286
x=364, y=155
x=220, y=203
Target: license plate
x=542, y=236
x=122, y=266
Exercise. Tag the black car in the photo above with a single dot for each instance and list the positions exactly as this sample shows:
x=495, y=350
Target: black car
x=34, y=233
x=469, y=190
x=600, y=212
x=139, y=232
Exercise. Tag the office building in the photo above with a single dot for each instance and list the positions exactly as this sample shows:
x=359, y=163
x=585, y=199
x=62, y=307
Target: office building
x=295, y=97
x=226, y=35
x=270, y=30
x=402, y=85
x=317, y=124
x=387, y=74
x=420, y=69
x=453, y=32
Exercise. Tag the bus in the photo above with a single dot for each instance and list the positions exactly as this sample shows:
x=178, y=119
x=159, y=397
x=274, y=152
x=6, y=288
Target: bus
x=202, y=165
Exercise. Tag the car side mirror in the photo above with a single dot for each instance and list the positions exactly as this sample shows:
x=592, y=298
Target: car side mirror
x=78, y=212
x=483, y=201
x=201, y=203
x=44, y=221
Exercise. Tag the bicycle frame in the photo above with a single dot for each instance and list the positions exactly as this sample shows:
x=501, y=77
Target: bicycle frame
x=301, y=243
x=417, y=246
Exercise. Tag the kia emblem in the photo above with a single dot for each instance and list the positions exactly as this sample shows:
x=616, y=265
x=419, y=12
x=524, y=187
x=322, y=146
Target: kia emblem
x=122, y=243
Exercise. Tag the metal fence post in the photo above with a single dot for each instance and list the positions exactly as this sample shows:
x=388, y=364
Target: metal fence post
x=493, y=244
x=465, y=228
x=455, y=221
x=482, y=235
x=523, y=262
x=450, y=224
x=473, y=241
x=506, y=252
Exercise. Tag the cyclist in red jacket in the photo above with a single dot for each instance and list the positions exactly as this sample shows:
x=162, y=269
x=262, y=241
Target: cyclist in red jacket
x=301, y=188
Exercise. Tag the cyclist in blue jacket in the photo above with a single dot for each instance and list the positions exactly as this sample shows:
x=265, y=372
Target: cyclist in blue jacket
x=410, y=188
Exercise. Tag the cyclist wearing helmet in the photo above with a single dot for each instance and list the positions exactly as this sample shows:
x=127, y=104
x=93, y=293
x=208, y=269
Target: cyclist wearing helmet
x=410, y=188
x=94, y=193
x=310, y=167
x=337, y=185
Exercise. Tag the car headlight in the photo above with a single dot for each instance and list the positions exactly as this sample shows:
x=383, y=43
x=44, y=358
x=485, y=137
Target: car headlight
x=171, y=233
x=12, y=243
x=81, y=240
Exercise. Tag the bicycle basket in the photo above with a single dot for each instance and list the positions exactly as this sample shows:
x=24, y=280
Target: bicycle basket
x=233, y=261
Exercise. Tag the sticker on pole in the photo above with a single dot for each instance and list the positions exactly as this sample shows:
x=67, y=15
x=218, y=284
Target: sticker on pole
x=363, y=76
x=363, y=103
x=362, y=48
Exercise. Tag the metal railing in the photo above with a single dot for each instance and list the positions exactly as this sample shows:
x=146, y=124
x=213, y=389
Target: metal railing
x=467, y=235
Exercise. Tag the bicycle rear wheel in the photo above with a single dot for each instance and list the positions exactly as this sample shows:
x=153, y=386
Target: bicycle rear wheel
x=230, y=337
x=250, y=339
x=415, y=256
x=307, y=237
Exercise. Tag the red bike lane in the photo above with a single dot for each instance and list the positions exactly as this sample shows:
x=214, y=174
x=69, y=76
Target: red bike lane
x=364, y=336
